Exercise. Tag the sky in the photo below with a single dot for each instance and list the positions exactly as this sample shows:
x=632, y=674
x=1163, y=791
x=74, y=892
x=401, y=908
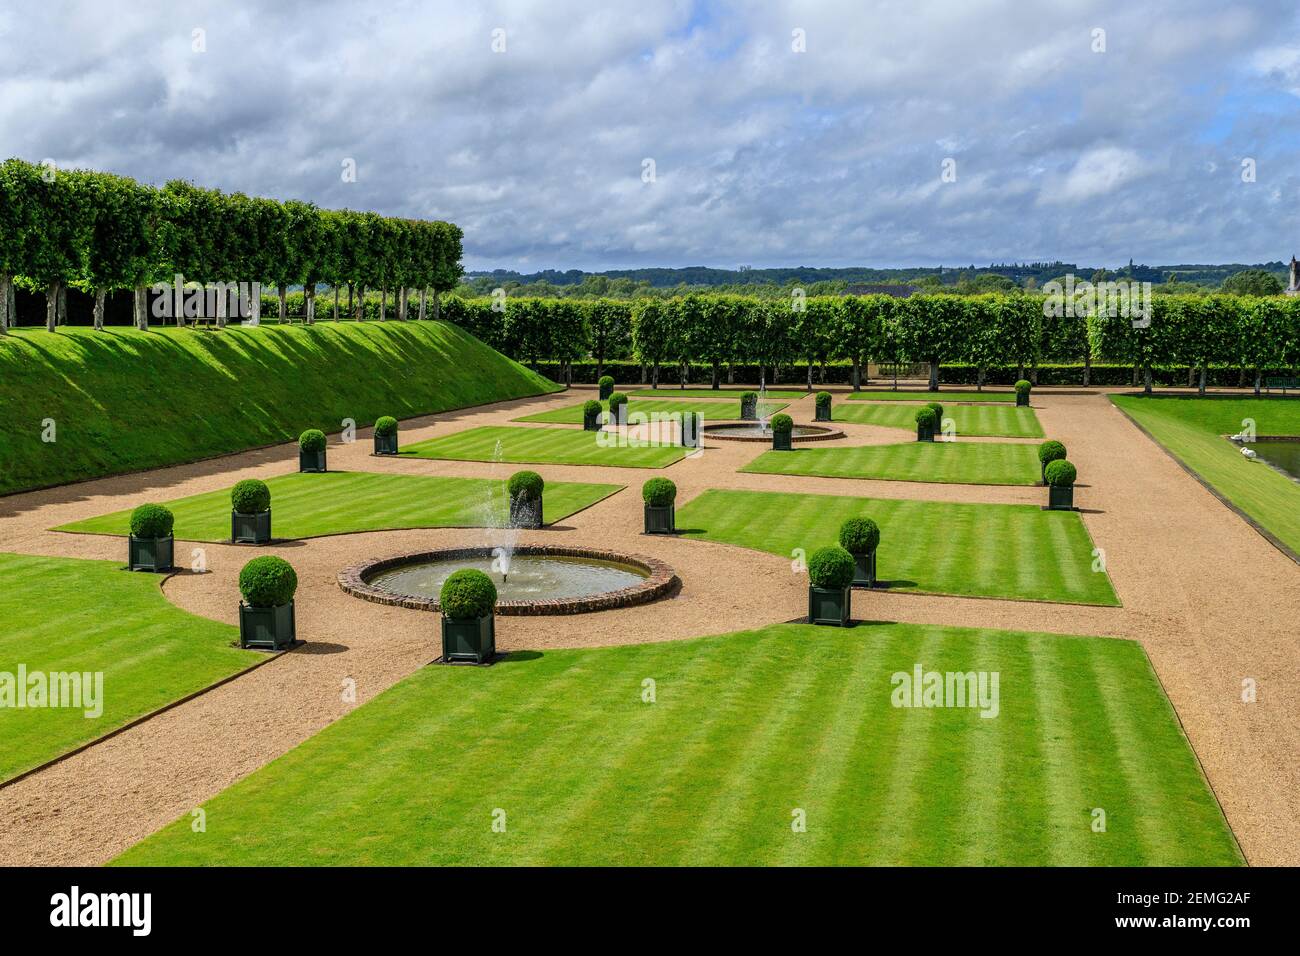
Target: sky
x=569, y=134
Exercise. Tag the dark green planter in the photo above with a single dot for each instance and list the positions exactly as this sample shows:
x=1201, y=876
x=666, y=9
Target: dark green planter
x=384, y=445
x=829, y=606
x=470, y=640
x=1060, y=498
x=271, y=628
x=311, y=461
x=749, y=409
x=591, y=422
x=526, y=512
x=250, y=529
x=660, y=519
x=605, y=392
x=864, y=570
x=1021, y=400
x=692, y=429
x=781, y=441
x=823, y=413
x=150, y=554
x=924, y=434
x=618, y=414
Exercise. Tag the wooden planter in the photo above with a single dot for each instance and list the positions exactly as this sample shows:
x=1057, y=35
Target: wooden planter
x=311, y=461
x=470, y=640
x=250, y=529
x=1060, y=497
x=384, y=445
x=864, y=570
x=823, y=413
x=271, y=628
x=1022, y=401
x=591, y=421
x=749, y=409
x=660, y=519
x=831, y=606
x=924, y=433
x=150, y=554
x=526, y=512
x=618, y=413
x=781, y=441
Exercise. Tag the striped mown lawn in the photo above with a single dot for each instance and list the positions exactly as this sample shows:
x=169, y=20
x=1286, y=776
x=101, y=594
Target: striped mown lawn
x=338, y=502
x=746, y=734
x=942, y=396
x=1000, y=421
x=1000, y=551
x=963, y=463
x=716, y=411
x=546, y=446
x=731, y=392
x=69, y=615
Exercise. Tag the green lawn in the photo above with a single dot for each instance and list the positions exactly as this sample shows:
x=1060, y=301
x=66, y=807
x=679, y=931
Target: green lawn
x=716, y=411
x=980, y=550
x=962, y=463
x=1191, y=428
x=66, y=615
x=942, y=396
x=546, y=446
x=338, y=502
x=123, y=400
x=744, y=731
x=669, y=392
x=1001, y=421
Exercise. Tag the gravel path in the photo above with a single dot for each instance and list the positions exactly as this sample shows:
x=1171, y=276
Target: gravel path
x=1211, y=600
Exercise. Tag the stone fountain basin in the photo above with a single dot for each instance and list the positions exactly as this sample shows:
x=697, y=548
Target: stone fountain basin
x=648, y=579
x=753, y=431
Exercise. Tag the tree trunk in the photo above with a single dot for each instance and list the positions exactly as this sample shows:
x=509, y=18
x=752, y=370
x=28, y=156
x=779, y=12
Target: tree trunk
x=1033, y=374
x=1135, y=375
x=309, y=303
x=1087, y=368
x=1200, y=388
x=401, y=304
x=1258, y=375
x=140, y=307
x=1191, y=375
x=383, y=304
x=6, y=315
x=423, y=295
x=51, y=306
x=63, y=303
x=336, y=303
x=1146, y=379
x=810, y=368
x=654, y=376
x=821, y=373
x=685, y=373
x=934, y=376
x=437, y=307
x=350, y=311
x=99, y=309
x=645, y=374
x=284, y=305
x=979, y=379
x=717, y=374
x=857, y=373
x=731, y=374
x=361, y=303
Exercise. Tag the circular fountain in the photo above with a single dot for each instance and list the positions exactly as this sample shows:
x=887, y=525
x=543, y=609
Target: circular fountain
x=760, y=431
x=529, y=579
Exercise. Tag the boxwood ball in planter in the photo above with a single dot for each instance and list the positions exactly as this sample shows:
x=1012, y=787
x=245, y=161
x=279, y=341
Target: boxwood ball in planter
x=151, y=546
x=782, y=426
x=250, y=512
x=749, y=406
x=591, y=412
x=1022, y=392
x=525, y=490
x=938, y=415
x=925, y=424
x=386, y=435
x=823, y=406
x=830, y=572
x=618, y=408
x=266, y=617
x=1048, y=452
x=467, y=599
x=659, y=495
x=311, y=450
x=860, y=538
x=1060, y=485
x=606, y=386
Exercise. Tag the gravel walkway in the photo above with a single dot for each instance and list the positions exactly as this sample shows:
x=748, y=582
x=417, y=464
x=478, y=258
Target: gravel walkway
x=1211, y=600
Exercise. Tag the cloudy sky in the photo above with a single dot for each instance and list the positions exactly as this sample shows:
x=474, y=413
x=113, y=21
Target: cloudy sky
x=814, y=133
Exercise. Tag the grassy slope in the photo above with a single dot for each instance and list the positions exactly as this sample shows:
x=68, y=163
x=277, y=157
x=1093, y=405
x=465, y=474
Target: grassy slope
x=760, y=723
x=715, y=411
x=64, y=614
x=964, y=463
x=547, y=446
x=1005, y=551
x=671, y=393
x=941, y=396
x=337, y=502
x=125, y=400
x=1191, y=428
x=1002, y=421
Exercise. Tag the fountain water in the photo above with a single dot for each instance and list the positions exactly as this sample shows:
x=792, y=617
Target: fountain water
x=500, y=536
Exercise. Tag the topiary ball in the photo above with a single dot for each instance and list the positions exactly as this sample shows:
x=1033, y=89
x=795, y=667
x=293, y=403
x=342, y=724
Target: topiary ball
x=525, y=486
x=151, y=521
x=1050, y=451
x=782, y=424
x=467, y=593
x=605, y=381
x=659, y=492
x=250, y=496
x=746, y=397
x=925, y=417
x=830, y=567
x=938, y=411
x=268, y=581
x=1023, y=386
x=313, y=439
x=1060, y=473
x=616, y=399
x=385, y=425
x=859, y=535
x=823, y=399
x=591, y=407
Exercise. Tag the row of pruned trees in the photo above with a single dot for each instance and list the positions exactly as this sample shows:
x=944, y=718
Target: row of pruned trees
x=100, y=232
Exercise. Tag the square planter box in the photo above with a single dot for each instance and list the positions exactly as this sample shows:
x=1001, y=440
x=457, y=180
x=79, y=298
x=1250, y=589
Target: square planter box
x=618, y=414
x=150, y=554
x=266, y=627
x=311, y=461
x=660, y=519
x=749, y=410
x=591, y=423
x=829, y=606
x=823, y=413
x=1060, y=499
x=1021, y=400
x=924, y=434
x=692, y=429
x=384, y=445
x=250, y=529
x=864, y=570
x=526, y=513
x=472, y=640
x=781, y=441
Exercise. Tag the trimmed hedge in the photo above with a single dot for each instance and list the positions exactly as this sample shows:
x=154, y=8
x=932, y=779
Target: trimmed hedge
x=830, y=567
x=859, y=535
x=1061, y=473
x=938, y=412
x=659, y=492
x=781, y=424
x=385, y=425
x=925, y=416
x=1023, y=386
x=591, y=407
x=250, y=496
x=152, y=521
x=823, y=399
x=467, y=593
x=268, y=581
x=313, y=439
x=1050, y=451
x=525, y=485
x=616, y=399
